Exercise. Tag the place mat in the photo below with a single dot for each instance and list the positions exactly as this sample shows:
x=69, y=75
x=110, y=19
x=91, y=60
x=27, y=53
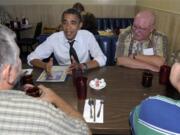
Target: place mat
x=86, y=113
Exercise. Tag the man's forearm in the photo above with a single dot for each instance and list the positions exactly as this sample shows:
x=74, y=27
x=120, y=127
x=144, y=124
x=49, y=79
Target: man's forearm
x=68, y=109
x=92, y=64
x=65, y=107
x=136, y=64
x=153, y=60
x=38, y=63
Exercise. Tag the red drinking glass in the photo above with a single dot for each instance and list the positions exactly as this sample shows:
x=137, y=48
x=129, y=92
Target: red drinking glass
x=81, y=87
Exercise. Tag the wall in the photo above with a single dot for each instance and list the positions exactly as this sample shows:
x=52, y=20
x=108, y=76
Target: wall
x=49, y=11
x=42, y=2
x=168, y=18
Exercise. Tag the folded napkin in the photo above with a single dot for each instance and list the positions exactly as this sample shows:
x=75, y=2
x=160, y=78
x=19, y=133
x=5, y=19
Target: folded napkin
x=86, y=113
x=27, y=71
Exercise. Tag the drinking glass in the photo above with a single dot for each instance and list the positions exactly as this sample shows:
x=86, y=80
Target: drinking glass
x=147, y=79
x=81, y=87
x=164, y=74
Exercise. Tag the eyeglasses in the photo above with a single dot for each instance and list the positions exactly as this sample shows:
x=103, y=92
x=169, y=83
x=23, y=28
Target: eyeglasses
x=134, y=27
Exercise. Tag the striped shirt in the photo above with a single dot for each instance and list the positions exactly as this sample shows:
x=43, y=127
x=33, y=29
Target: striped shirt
x=156, y=115
x=24, y=115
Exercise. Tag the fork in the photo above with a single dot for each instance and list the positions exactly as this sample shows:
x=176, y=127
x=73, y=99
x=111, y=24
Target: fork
x=90, y=102
x=99, y=111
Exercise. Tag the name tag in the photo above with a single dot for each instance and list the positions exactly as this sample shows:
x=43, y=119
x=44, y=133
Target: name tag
x=148, y=51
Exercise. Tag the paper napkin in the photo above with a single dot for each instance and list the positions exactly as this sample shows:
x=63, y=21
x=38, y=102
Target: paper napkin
x=27, y=71
x=86, y=113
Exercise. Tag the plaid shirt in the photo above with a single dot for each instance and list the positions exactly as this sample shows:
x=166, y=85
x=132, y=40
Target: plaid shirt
x=25, y=115
x=126, y=45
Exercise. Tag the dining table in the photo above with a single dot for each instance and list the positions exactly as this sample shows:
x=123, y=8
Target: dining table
x=123, y=91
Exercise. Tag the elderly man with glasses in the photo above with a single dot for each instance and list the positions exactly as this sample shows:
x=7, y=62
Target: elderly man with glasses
x=141, y=46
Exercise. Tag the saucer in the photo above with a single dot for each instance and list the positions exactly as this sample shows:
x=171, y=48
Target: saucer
x=101, y=84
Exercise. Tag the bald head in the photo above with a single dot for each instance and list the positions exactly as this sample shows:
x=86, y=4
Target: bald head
x=146, y=16
x=143, y=25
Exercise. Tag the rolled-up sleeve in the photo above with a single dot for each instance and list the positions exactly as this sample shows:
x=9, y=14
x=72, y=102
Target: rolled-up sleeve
x=43, y=51
x=96, y=52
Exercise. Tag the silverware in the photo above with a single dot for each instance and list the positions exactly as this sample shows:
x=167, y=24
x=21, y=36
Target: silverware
x=94, y=103
x=90, y=102
x=99, y=111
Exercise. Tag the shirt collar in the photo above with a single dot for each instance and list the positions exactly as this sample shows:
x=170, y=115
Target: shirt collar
x=77, y=38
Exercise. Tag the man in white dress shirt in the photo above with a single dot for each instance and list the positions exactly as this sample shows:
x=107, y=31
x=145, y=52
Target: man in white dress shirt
x=85, y=46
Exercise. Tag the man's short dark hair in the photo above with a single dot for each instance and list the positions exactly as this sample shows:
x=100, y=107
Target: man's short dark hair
x=72, y=11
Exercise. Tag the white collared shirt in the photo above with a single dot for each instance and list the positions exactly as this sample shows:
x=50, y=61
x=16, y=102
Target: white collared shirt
x=85, y=45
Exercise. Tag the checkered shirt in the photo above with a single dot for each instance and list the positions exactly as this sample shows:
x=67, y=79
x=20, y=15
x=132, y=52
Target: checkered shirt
x=24, y=115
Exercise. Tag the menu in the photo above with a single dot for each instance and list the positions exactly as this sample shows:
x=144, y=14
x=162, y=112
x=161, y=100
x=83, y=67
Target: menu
x=58, y=75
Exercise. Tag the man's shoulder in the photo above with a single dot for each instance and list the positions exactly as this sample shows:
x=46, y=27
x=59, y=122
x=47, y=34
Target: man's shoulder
x=125, y=34
x=126, y=30
x=159, y=34
x=84, y=32
x=158, y=100
x=85, y=36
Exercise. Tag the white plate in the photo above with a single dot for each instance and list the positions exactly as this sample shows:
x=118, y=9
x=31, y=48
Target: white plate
x=97, y=88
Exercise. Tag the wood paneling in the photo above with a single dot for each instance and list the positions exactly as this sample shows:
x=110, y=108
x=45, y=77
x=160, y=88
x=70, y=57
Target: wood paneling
x=50, y=15
x=165, y=5
x=169, y=23
x=48, y=2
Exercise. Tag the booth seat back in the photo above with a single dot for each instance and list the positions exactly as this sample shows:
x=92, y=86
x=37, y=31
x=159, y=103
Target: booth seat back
x=113, y=23
x=108, y=47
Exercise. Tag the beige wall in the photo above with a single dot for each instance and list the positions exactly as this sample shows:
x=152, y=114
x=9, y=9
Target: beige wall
x=49, y=11
x=166, y=5
x=42, y=2
x=167, y=18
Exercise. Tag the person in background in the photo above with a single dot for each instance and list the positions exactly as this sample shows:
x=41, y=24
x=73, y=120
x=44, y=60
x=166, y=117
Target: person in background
x=88, y=19
x=23, y=114
x=89, y=23
x=158, y=115
x=79, y=7
x=82, y=42
x=141, y=46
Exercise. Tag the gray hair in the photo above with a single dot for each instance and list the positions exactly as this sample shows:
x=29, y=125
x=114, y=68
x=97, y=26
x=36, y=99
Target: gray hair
x=9, y=51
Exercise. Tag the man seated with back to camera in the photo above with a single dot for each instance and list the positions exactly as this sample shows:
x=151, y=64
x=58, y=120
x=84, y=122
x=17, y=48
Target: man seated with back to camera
x=158, y=115
x=142, y=47
x=83, y=43
x=23, y=114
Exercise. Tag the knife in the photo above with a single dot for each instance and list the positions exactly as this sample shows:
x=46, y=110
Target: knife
x=94, y=103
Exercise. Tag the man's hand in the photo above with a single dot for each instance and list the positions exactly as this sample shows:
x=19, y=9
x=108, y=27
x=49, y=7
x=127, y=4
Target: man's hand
x=27, y=86
x=49, y=67
x=47, y=94
x=74, y=65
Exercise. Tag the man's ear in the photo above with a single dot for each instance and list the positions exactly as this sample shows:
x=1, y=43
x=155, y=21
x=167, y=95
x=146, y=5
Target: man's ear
x=9, y=74
x=5, y=72
x=12, y=75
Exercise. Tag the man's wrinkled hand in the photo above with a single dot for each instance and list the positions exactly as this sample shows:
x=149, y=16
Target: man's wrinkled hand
x=47, y=94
